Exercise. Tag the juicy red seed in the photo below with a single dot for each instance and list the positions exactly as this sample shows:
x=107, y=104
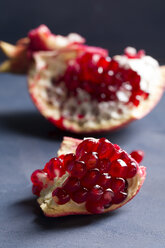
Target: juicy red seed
x=132, y=169
x=60, y=196
x=104, y=180
x=69, y=160
x=61, y=157
x=36, y=189
x=94, y=207
x=137, y=155
x=118, y=168
x=71, y=185
x=88, y=145
x=37, y=176
x=104, y=63
x=125, y=157
x=120, y=197
x=104, y=165
x=79, y=169
x=54, y=168
x=90, y=179
x=117, y=147
x=90, y=159
x=80, y=196
x=107, y=197
x=117, y=184
x=105, y=148
x=116, y=155
x=95, y=193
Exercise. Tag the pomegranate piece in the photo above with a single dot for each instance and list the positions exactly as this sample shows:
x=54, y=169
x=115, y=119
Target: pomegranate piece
x=88, y=183
x=88, y=90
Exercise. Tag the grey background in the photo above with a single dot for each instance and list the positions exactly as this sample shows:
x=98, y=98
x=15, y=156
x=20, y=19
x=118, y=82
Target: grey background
x=112, y=24
x=27, y=140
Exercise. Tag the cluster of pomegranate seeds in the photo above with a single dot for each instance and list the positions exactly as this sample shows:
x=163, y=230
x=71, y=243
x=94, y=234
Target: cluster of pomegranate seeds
x=98, y=174
x=104, y=79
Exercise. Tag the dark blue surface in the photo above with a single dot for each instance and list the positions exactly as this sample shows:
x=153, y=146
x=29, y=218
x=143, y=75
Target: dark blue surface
x=27, y=141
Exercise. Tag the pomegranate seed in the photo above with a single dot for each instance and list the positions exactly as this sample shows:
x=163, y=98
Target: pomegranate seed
x=104, y=165
x=39, y=177
x=132, y=169
x=36, y=189
x=54, y=168
x=107, y=197
x=120, y=197
x=69, y=160
x=105, y=148
x=88, y=145
x=104, y=180
x=95, y=193
x=125, y=157
x=137, y=155
x=90, y=179
x=118, y=168
x=116, y=147
x=80, y=196
x=117, y=184
x=60, y=196
x=79, y=169
x=94, y=207
x=71, y=185
x=90, y=159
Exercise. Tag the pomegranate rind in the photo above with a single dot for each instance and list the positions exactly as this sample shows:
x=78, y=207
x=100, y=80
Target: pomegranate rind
x=134, y=185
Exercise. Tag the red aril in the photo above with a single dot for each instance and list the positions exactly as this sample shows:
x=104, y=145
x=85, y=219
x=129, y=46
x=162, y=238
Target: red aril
x=60, y=196
x=137, y=155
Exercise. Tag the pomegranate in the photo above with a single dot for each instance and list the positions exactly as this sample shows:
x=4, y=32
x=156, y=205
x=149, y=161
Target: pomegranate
x=70, y=184
x=81, y=88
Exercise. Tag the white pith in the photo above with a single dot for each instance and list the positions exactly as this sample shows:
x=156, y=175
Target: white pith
x=51, y=208
x=81, y=113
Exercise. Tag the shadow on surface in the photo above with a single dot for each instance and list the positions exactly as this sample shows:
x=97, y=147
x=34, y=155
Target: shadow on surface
x=31, y=123
x=66, y=222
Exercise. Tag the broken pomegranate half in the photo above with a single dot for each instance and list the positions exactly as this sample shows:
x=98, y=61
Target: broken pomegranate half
x=89, y=176
x=80, y=88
